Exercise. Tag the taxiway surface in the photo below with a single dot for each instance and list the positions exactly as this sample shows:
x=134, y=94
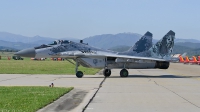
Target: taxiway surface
x=145, y=90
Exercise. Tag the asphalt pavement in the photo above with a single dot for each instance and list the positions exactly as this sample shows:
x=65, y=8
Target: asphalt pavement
x=176, y=89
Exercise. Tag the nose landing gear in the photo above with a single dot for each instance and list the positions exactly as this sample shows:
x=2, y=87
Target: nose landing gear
x=79, y=74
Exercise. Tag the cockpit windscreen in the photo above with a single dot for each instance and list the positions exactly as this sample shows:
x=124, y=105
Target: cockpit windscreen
x=54, y=42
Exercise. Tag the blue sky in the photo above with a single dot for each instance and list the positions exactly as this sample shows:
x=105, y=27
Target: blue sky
x=84, y=18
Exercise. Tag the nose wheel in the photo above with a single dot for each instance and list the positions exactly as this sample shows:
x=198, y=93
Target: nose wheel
x=107, y=72
x=79, y=74
x=124, y=73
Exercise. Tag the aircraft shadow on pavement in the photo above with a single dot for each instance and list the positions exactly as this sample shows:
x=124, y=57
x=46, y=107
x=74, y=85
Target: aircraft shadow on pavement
x=157, y=76
x=141, y=76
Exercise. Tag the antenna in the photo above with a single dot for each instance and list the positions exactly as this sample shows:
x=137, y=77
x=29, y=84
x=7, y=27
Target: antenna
x=81, y=41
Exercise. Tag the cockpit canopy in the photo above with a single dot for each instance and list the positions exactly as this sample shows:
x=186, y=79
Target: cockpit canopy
x=56, y=42
x=59, y=42
x=65, y=42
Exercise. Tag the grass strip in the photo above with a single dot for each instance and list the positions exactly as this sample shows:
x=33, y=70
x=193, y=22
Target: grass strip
x=28, y=99
x=28, y=66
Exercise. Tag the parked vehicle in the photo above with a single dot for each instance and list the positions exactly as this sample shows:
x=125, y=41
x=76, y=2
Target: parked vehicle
x=17, y=58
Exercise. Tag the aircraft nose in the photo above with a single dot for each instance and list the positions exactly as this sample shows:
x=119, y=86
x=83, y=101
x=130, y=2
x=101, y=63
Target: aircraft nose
x=26, y=52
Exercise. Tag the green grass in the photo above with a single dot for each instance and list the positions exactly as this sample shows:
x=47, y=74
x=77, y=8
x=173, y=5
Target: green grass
x=28, y=66
x=28, y=99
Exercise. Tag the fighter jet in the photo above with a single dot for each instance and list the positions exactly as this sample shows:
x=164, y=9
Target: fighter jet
x=143, y=55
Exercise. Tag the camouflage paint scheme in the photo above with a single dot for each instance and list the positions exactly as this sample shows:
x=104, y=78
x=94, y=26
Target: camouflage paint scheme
x=142, y=55
x=164, y=47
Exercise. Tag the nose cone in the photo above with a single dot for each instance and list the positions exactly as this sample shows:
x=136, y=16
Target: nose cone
x=26, y=53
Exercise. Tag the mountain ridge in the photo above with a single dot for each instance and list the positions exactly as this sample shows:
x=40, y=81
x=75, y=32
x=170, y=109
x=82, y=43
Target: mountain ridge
x=105, y=41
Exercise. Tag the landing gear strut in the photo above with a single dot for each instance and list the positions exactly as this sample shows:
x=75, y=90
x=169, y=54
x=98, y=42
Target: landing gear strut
x=106, y=72
x=124, y=73
x=79, y=74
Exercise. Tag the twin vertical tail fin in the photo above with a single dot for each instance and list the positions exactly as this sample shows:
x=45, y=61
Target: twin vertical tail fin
x=144, y=44
x=164, y=47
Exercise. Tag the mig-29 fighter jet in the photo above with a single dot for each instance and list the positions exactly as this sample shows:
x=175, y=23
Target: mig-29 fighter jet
x=143, y=55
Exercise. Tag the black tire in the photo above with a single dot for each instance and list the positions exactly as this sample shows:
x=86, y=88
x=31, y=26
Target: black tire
x=79, y=74
x=124, y=73
x=165, y=65
x=107, y=72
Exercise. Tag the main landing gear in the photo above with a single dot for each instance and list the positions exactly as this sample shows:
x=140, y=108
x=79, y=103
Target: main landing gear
x=106, y=72
x=124, y=73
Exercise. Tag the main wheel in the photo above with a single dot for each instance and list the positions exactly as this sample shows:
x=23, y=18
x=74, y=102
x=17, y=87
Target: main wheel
x=124, y=73
x=164, y=65
x=107, y=72
x=79, y=74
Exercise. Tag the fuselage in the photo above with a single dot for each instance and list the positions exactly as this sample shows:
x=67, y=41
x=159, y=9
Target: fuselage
x=83, y=53
x=69, y=49
x=141, y=56
x=89, y=56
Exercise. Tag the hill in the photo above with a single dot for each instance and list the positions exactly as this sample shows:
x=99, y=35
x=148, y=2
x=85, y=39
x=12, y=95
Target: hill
x=16, y=45
x=186, y=40
x=5, y=36
x=19, y=42
x=106, y=41
x=2, y=48
x=189, y=44
x=182, y=49
x=177, y=50
x=120, y=41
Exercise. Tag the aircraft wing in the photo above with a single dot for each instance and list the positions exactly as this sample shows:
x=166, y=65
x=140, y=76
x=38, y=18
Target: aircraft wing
x=81, y=55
